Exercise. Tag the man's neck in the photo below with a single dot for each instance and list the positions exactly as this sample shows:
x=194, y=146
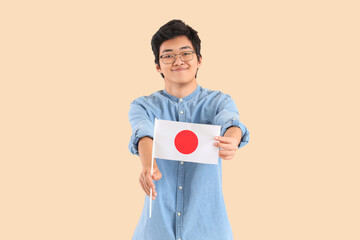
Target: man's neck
x=181, y=90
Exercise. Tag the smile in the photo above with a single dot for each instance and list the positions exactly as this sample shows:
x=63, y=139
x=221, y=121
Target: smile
x=180, y=69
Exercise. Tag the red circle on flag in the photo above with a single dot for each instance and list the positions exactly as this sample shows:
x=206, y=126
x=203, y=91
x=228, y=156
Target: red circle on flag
x=186, y=142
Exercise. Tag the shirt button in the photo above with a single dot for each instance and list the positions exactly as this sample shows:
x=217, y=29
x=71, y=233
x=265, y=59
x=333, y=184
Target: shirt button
x=180, y=99
x=182, y=162
x=180, y=187
x=179, y=214
x=181, y=112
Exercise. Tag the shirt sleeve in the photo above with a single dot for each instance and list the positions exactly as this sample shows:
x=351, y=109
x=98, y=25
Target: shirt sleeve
x=228, y=116
x=141, y=125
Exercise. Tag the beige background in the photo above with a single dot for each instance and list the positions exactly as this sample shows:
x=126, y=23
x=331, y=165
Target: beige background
x=69, y=70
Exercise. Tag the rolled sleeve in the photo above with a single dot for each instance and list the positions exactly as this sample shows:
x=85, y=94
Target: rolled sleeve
x=228, y=116
x=141, y=125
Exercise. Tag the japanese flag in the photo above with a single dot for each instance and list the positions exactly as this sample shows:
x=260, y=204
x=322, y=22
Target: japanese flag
x=191, y=142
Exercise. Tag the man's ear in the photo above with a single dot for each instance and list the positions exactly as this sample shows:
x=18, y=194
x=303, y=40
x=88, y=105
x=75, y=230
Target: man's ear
x=199, y=61
x=157, y=66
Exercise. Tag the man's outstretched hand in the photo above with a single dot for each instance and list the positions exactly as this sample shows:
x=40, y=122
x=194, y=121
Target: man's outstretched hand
x=146, y=181
x=228, y=143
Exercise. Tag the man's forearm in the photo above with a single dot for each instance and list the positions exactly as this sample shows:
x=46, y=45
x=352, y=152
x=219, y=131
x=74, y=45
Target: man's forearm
x=234, y=132
x=145, y=152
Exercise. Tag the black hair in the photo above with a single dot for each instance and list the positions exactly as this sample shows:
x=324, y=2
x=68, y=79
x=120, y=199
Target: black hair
x=173, y=29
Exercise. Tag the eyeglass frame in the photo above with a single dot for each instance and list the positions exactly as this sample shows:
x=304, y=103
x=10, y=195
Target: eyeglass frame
x=176, y=57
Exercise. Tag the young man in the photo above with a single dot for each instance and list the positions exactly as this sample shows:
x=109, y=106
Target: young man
x=189, y=202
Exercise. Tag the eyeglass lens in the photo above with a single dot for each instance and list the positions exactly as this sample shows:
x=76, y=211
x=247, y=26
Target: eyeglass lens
x=184, y=56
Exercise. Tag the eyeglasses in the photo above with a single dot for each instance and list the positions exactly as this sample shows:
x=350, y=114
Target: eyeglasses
x=171, y=58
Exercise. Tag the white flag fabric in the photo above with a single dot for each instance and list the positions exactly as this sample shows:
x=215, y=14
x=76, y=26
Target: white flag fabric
x=181, y=141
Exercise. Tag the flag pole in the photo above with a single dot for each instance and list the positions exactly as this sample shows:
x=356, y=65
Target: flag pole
x=152, y=163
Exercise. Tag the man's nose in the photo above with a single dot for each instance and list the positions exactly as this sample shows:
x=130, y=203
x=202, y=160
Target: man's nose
x=178, y=60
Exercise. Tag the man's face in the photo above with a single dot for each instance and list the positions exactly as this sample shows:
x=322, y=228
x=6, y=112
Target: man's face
x=178, y=72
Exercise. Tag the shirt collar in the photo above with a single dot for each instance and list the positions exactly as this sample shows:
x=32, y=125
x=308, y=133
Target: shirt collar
x=188, y=97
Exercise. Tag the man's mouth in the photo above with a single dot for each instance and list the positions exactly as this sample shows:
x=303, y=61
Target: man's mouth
x=180, y=69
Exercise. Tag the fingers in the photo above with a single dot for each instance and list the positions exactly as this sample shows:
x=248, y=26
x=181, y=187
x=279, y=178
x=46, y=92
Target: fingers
x=224, y=139
x=146, y=181
x=227, y=155
x=151, y=184
x=228, y=147
x=143, y=186
x=225, y=146
x=157, y=175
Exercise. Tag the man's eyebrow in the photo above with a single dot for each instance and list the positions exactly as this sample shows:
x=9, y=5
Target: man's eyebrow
x=169, y=50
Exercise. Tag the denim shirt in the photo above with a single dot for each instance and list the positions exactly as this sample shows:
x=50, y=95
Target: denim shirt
x=189, y=203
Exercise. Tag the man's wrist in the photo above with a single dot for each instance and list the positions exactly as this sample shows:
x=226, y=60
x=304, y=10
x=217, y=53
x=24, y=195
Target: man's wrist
x=234, y=132
x=148, y=166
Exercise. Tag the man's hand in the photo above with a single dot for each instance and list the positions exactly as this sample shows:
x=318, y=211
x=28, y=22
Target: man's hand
x=228, y=146
x=146, y=181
